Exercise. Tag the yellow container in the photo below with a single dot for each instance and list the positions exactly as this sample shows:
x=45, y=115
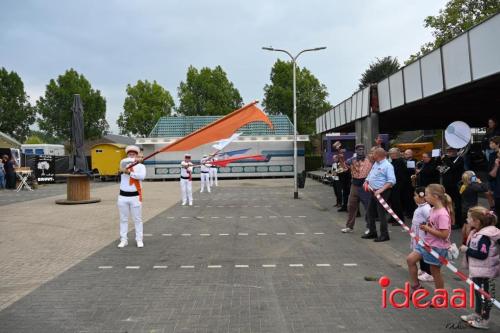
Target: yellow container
x=418, y=148
x=106, y=158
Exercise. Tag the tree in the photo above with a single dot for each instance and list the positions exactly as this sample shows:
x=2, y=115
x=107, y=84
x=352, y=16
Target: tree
x=16, y=113
x=207, y=92
x=34, y=139
x=378, y=70
x=55, y=107
x=311, y=95
x=145, y=103
x=457, y=17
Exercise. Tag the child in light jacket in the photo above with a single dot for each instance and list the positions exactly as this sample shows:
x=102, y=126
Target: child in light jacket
x=483, y=260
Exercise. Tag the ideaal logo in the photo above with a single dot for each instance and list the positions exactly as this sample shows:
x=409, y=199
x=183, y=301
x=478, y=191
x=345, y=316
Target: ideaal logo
x=440, y=297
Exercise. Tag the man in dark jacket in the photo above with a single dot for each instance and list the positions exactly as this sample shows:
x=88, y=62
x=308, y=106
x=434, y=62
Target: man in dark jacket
x=402, y=183
x=10, y=173
x=451, y=179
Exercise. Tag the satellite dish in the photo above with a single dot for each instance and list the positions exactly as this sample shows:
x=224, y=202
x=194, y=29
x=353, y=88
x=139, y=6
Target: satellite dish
x=457, y=134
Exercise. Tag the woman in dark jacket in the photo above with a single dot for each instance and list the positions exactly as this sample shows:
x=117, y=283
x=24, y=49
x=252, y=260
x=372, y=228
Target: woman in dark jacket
x=426, y=171
x=10, y=173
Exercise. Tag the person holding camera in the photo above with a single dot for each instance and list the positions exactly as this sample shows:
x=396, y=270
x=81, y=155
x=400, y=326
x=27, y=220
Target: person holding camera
x=470, y=188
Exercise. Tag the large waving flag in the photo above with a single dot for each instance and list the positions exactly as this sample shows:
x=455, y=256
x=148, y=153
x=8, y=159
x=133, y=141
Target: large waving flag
x=218, y=130
x=224, y=143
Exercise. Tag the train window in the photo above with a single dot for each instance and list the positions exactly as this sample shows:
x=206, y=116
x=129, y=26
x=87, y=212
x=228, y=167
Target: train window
x=28, y=151
x=38, y=151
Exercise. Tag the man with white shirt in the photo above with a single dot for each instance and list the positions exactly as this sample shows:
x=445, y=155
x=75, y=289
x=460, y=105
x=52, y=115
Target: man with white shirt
x=205, y=173
x=187, y=180
x=130, y=198
x=213, y=173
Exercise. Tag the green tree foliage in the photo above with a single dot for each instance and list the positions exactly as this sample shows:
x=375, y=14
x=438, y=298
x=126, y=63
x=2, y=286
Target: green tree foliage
x=457, y=17
x=16, y=113
x=145, y=103
x=378, y=70
x=207, y=92
x=34, y=139
x=55, y=107
x=311, y=95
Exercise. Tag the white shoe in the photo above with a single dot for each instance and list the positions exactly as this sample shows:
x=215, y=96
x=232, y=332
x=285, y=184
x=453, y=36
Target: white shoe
x=184, y=203
x=367, y=231
x=347, y=230
x=140, y=243
x=425, y=277
x=470, y=317
x=122, y=244
x=201, y=191
x=479, y=323
x=190, y=204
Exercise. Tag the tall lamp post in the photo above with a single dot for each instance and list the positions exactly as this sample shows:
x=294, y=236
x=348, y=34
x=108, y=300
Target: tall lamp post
x=294, y=61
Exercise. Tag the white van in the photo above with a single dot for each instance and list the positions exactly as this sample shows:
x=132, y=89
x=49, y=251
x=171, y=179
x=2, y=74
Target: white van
x=42, y=149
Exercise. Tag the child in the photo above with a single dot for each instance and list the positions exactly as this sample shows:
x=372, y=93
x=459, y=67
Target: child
x=483, y=261
x=420, y=216
x=469, y=191
x=437, y=235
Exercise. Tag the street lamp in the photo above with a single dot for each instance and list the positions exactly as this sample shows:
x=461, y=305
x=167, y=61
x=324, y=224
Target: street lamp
x=294, y=61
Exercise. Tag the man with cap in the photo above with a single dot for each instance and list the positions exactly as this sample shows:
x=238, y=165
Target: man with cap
x=130, y=198
x=187, y=180
x=205, y=173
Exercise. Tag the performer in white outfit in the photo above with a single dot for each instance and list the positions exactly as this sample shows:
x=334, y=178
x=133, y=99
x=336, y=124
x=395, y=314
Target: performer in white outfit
x=213, y=173
x=187, y=180
x=205, y=173
x=130, y=198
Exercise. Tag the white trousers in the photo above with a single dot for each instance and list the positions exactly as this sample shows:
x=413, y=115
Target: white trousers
x=205, y=180
x=213, y=177
x=130, y=206
x=186, y=191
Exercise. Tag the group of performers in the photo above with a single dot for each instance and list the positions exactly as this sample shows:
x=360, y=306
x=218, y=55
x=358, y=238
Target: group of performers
x=130, y=198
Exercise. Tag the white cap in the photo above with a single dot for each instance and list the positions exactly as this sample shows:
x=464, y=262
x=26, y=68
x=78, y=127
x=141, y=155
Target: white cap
x=132, y=148
x=205, y=156
x=187, y=155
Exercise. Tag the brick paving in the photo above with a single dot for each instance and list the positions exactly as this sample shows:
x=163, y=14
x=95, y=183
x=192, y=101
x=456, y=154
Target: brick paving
x=247, y=258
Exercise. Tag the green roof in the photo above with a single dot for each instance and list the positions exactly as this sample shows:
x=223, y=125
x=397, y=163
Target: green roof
x=175, y=127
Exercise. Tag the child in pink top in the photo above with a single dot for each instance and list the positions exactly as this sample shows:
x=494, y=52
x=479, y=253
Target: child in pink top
x=437, y=235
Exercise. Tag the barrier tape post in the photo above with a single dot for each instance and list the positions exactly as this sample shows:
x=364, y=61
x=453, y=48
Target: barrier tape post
x=429, y=249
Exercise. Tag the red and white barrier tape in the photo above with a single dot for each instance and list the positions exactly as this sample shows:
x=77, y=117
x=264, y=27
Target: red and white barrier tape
x=429, y=249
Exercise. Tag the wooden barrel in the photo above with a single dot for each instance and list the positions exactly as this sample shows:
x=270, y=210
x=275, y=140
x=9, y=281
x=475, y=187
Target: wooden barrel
x=78, y=187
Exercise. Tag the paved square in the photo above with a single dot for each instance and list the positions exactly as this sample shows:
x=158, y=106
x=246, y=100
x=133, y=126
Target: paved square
x=245, y=258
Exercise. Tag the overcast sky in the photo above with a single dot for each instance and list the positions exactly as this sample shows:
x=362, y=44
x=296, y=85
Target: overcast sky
x=114, y=42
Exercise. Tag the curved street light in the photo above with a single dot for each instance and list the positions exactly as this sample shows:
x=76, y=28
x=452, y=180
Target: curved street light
x=294, y=61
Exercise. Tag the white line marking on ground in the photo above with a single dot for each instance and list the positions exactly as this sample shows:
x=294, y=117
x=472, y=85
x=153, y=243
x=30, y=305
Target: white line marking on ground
x=214, y=266
x=223, y=234
x=296, y=265
x=147, y=235
x=241, y=266
x=350, y=264
x=272, y=217
x=184, y=217
x=319, y=233
x=166, y=234
x=300, y=233
x=159, y=267
x=215, y=217
x=132, y=267
x=186, y=235
x=187, y=266
x=269, y=266
x=243, y=217
x=105, y=267
x=323, y=265
x=200, y=217
x=170, y=217
x=228, y=217
x=262, y=234
x=242, y=234
x=281, y=233
x=204, y=234
x=302, y=216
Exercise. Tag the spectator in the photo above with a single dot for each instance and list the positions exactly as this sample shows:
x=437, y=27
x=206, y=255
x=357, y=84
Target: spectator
x=2, y=175
x=10, y=173
x=407, y=197
x=491, y=131
x=437, y=236
x=380, y=179
x=495, y=176
x=360, y=167
x=483, y=261
x=421, y=216
x=344, y=178
x=470, y=188
x=402, y=183
x=451, y=179
x=426, y=171
x=336, y=181
x=494, y=146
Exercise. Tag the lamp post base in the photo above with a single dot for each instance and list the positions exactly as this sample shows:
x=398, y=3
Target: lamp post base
x=295, y=195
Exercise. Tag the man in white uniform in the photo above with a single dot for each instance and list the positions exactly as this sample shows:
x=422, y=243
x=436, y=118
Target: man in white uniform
x=130, y=198
x=187, y=180
x=213, y=173
x=205, y=173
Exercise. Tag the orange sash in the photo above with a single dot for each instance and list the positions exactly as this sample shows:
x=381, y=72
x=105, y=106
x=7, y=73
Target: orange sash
x=136, y=183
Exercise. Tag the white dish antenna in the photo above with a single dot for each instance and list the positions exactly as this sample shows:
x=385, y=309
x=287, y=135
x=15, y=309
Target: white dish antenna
x=458, y=134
